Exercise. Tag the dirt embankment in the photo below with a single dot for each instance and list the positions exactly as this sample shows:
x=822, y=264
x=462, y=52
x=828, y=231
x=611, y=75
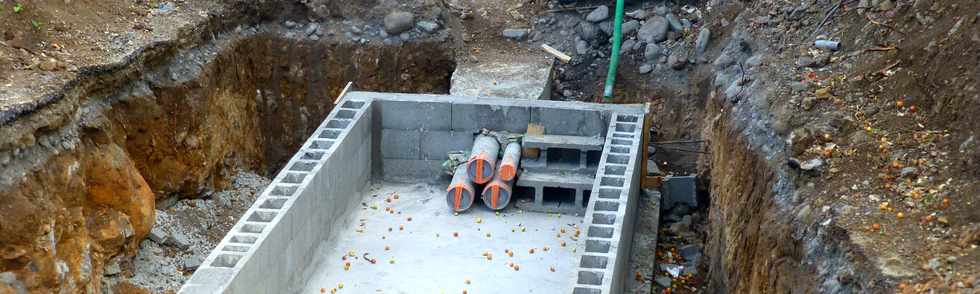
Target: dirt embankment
x=843, y=170
x=83, y=171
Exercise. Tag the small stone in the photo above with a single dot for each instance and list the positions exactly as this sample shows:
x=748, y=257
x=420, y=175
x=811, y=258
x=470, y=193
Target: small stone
x=661, y=10
x=397, y=22
x=428, y=26
x=290, y=24
x=606, y=27
x=663, y=281
x=646, y=68
x=690, y=251
x=192, y=262
x=677, y=60
x=158, y=235
x=638, y=14
x=312, y=29
x=179, y=240
x=598, y=14
x=798, y=86
x=581, y=47
x=112, y=268
x=886, y=5
x=627, y=46
x=630, y=26
x=702, y=42
x=588, y=31
x=515, y=34
x=812, y=164
x=653, y=31
x=908, y=171
x=859, y=137
x=675, y=23
x=933, y=263
x=686, y=24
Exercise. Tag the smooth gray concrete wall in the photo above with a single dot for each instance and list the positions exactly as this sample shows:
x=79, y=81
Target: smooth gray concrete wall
x=269, y=249
x=418, y=130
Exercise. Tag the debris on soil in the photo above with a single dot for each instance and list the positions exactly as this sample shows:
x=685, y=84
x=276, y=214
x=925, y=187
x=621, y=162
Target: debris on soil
x=186, y=234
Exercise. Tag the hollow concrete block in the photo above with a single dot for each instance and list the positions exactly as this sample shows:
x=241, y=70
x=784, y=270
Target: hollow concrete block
x=400, y=144
x=412, y=115
x=570, y=122
x=473, y=117
x=435, y=144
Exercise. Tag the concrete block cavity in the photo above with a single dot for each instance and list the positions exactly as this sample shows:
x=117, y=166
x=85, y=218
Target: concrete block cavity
x=226, y=260
x=594, y=261
x=603, y=218
x=600, y=232
x=283, y=191
x=413, y=115
x=401, y=144
x=312, y=155
x=609, y=193
x=321, y=144
x=597, y=246
x=590, y=277
x=583, y=290
x=262, y=216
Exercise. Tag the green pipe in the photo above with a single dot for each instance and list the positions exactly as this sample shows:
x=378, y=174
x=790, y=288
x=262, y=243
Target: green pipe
x=614, y=56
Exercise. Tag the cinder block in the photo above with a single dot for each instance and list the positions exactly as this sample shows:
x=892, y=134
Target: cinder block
x=570, y=122
x=400, y=144
x=435, y=144
x=412, y=171
x=472, y=117
x=411, y=115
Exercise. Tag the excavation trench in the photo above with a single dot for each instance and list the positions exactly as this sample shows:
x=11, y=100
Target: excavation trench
x=184, y=123
x=84, y=174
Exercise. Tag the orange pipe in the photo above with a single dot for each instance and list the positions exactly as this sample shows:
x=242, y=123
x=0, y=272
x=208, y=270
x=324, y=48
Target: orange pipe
x=508, y=165
x=460, y=193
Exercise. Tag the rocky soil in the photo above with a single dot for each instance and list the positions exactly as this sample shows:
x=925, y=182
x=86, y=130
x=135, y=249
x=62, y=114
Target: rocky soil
x=183, y=235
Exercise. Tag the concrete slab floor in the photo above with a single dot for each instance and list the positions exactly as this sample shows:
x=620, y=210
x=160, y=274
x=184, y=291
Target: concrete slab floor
x=438, y=252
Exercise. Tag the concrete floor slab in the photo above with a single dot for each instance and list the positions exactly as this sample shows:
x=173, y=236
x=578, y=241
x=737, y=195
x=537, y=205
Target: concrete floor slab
x=424, y=256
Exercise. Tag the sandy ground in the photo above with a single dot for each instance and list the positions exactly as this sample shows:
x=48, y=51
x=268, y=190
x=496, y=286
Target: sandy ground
x=419, y=246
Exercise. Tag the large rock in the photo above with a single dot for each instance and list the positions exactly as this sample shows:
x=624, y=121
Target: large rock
x=515, y=33
x=630, y=26
x=652, y=52
x=677, y=60
x=398, y=21
x=674, y=22
x=601, y=13
x=653, y=31
x=588, y=31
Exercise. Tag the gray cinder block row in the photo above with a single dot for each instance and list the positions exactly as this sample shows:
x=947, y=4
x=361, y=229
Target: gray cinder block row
x=611, y=209
x=295, y=212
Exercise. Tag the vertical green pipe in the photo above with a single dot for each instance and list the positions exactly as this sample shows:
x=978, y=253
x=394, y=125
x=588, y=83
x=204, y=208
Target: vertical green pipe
x=614, y=56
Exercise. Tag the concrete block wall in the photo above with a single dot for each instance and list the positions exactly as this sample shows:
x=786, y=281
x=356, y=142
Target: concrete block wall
x=364, y=139
x=611, y=211
x=269, y=248
x=418, y=130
